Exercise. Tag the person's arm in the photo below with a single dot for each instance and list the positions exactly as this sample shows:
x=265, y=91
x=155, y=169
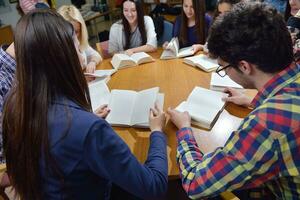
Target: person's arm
x=114, y=40
x=93, y=59
x=248, y=159
x=110, y=158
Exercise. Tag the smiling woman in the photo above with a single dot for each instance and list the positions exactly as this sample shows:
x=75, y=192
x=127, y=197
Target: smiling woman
x=136, y=30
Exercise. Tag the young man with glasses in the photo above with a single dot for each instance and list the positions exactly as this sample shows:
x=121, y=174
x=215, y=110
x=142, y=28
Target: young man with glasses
x=254, y=48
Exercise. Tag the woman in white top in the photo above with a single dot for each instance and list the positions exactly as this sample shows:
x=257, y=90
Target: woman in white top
x=90, y=57
x=134, y=32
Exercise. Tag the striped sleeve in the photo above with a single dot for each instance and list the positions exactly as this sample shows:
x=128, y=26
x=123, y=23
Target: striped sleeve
x=247, y=160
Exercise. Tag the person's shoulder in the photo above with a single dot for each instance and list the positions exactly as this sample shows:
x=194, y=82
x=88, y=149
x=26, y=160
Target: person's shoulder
x=147, y=18
x=117, y=25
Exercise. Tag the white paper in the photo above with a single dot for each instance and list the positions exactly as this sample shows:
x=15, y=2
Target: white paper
x=99, y=94
x=121, y=104
x=218, y=81
x=144, y=101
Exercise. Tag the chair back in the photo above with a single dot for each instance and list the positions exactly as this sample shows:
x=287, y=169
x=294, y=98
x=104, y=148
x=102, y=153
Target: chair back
x=102, y=48
x=167, y=34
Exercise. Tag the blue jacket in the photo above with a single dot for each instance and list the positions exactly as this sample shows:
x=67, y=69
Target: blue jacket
x=91, y=156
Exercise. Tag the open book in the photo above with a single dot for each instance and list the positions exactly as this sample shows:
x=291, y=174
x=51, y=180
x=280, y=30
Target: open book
x=122, y=60
x=131, y=108
x=99, y=94
x=219, y=83
x=204, y=106
x=203, y=62
x=100, y=75
x=173, y=51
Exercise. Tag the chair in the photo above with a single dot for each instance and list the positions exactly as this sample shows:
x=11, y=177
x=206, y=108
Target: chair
x=167, y=34
x=102, y=48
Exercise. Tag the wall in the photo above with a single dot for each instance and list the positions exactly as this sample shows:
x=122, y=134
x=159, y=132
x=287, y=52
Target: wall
x=12, y=17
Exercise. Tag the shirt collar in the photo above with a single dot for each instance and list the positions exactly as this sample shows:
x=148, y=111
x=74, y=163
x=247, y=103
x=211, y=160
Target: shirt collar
x=279, y=81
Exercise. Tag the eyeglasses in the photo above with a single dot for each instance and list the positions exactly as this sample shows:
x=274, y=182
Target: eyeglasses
x=221, y=70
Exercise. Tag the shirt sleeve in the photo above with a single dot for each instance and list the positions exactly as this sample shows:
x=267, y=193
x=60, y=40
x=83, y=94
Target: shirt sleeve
x=248, y=159
x=109, y=157
x=92, y=55
x=114, y=40
x=7, y=73
x=150, y=30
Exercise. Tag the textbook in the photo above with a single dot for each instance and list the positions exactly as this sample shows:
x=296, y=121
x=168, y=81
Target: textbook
x=131, y=108
x=99, y=94
x=122, y=60
x=100, y=75
x=219, y=83
x=204, y=106
x=173, y=51
x=203, y=62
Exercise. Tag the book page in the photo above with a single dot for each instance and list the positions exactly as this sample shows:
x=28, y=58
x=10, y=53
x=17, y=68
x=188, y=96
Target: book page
x=224, y=82
x=121, y=60
x=121, y=104
x=204, y=62
x=101, y=73
x=167, y=54
x=199, y=112
x=206, y=97
x=144, y=101
x=160, y=101
x=184, y=52
x=208, y=141
x=141, y=57
x=173, y=46
x=99, y=94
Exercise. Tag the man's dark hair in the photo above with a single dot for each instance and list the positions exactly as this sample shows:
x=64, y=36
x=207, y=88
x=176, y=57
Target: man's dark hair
x=253, y=32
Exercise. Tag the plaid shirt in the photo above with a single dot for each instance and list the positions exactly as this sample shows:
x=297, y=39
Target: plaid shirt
x=264, y=150
x=7, y=71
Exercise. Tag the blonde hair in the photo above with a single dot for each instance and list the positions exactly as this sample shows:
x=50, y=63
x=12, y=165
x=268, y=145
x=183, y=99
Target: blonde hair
x=71, y=13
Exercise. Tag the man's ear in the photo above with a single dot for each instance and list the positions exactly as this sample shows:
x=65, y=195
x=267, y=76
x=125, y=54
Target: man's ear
x=245, y=67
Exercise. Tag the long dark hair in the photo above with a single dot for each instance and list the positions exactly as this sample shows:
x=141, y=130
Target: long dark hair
x=141, y=23
x=199, y=10
x=47, y=68
x=231, y=2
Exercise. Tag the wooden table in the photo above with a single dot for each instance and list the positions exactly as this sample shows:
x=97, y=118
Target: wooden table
x=176, y=80
x=6, y=34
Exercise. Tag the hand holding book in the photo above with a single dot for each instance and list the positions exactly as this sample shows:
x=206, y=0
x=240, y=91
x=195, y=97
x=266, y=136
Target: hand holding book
x=180, y=119
x=157, y=118
x=102, y=111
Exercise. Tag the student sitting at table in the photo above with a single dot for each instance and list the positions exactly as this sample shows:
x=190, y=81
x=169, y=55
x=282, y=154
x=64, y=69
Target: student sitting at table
x=254, y=48
x=191, y=27
x=224, y=6
x=66, y=151
x=91, y=58
x=134, y=32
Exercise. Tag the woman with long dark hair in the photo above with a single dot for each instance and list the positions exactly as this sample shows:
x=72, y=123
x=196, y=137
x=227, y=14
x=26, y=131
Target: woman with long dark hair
x=55, y=147
x=134, y=32
x=191, y=27
x=224, y=6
